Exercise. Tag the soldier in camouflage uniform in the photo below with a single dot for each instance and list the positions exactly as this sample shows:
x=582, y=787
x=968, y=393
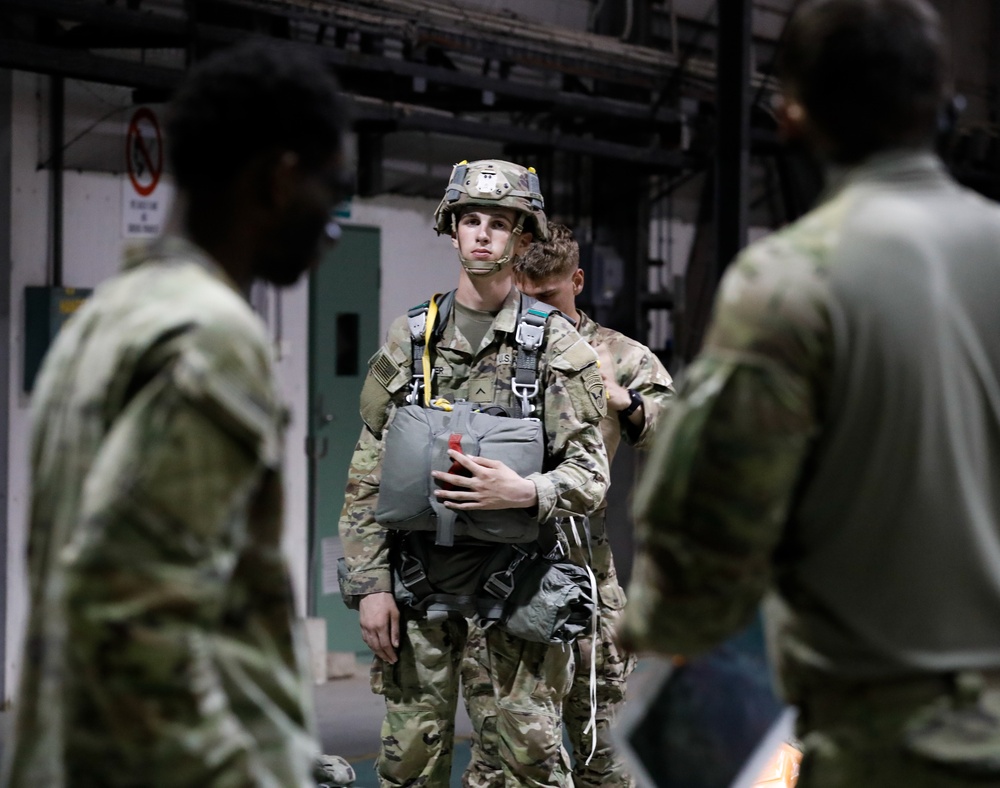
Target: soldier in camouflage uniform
x=638, y=387
x=840, y=431
x=417, y=660
x=160, y=647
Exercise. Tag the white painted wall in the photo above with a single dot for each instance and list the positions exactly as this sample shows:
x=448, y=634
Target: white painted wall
x=416, y=261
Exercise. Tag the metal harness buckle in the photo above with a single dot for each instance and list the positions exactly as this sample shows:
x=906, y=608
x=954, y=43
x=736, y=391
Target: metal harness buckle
x=529, y=336
x=416, y=384
x=418, y=324
x=410, y=570
x=525, y=392
x=496, y=584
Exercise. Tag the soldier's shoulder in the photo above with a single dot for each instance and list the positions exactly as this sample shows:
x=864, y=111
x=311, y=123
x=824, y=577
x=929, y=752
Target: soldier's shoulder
x=183, y=293
x=399, y=331
x=780, y=283
x=222, y=320
x=620, y=343
x=560, y=331
x=801, y=248
x=565, y=349
x=787, y=265
x=142, y=306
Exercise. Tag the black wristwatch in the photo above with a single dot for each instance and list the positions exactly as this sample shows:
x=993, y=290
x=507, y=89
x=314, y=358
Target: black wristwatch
x=633, y=406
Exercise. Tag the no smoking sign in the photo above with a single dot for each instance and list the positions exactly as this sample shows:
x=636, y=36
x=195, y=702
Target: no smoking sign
x=144, y=195
x=144, y=151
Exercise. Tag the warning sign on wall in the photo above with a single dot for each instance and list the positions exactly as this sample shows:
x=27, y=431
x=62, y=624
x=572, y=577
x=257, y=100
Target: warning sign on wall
x=145, y=194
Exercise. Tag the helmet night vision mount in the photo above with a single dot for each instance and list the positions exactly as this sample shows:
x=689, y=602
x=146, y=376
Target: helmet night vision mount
x=496, y=184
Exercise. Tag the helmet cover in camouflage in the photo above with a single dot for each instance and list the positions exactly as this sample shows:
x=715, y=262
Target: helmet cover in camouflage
x=494, y=183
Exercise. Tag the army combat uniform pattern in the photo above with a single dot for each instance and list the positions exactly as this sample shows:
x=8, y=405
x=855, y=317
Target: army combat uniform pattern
x=636, y=367
x=160, y=646
x=840, y=434
x=529, y=679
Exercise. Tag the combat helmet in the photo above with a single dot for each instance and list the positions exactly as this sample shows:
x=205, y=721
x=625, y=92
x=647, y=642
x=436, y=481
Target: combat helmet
x=499, y=184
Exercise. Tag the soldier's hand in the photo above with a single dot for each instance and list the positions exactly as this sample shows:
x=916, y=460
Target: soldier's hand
x=489, y=484
x=618, y=396
x=380, y=625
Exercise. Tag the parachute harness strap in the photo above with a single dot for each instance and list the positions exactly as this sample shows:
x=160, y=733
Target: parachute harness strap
x=432, y=313
x=426, y=322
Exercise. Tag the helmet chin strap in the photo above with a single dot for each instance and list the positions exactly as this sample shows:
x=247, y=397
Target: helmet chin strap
x=475, y=268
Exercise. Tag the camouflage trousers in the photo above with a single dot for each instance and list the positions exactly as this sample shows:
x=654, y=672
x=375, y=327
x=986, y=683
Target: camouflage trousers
x=894, y=734
x=527, y=682
x=612, y=667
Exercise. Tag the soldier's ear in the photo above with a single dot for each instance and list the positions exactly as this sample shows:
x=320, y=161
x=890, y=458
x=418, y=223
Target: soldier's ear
x=577, y=281
x=278, y=178
x=793, y=120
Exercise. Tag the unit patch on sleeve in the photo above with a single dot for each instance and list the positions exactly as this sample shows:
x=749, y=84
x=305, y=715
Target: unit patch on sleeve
x=595, y=388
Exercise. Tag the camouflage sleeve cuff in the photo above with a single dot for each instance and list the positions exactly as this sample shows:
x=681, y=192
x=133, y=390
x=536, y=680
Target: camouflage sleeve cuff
x=547, y=498
x=367, y=581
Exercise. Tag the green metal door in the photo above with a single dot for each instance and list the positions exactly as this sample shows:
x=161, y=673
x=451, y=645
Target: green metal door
x=343, y=335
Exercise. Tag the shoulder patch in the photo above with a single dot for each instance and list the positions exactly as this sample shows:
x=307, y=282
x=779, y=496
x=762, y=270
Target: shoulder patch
x=387, y=375
x=594, y=384
x=383, y=368
x=577, y=356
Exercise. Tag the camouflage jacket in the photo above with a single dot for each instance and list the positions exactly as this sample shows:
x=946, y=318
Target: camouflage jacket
x=575, y=476
x=840, y=433
x=160, y=646
x=636, y=367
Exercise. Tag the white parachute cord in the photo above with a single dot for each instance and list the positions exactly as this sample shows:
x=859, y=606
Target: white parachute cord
x=595, y=622
x=573, y=530
x=591, y=727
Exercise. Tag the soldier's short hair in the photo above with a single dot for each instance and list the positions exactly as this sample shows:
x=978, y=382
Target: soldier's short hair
x=251, y=99
x=870, y=73
x=558, y=256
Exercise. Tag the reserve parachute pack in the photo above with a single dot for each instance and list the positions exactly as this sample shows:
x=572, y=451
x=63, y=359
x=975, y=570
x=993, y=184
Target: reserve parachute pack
x=533, y=594
x=422, y=432
x=527, y=587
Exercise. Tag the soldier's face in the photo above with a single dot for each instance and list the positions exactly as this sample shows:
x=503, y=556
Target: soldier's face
x=303, y=203
x=559, y=291
x=482, y=234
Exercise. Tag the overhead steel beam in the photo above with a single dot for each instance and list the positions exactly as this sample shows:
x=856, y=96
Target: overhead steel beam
x=75, y=64
x=412, y=119
x=112, y=71
x=99, y=15
x=450, y=25
x=125, y=21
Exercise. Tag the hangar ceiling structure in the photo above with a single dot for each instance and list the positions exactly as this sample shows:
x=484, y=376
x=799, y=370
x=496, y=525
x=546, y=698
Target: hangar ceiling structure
x=623, y=104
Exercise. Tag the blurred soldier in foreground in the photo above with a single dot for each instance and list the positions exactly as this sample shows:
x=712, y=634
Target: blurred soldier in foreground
x=840, y=433
x=505, y=400
x=160, y=648
x=638, y=387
